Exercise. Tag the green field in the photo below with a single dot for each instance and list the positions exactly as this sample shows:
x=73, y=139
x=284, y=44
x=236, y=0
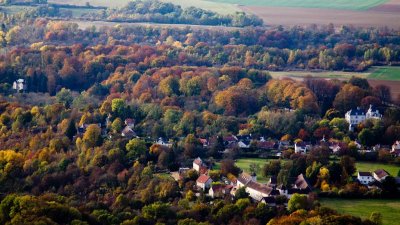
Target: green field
x=223, y=8
x=244, y=164
x=385, y=73
x=329, y=4
x=326, y=74
x=370, y=167
x=390, y=209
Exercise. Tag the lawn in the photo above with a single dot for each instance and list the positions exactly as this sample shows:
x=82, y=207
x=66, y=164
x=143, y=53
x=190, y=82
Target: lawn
x=385, y=73
x=370, y=167
x=244, y=164
x=328, y=4
x=390, y=209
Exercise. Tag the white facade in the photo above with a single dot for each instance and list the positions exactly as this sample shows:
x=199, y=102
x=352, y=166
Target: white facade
x=365, y=177
x=204, y=184
x=197, y=163
x=356, y=116
x=255, y=194
x=301, y=148
x=19, y=85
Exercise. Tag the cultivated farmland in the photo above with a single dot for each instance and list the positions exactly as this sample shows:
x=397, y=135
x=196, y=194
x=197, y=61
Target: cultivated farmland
x=328, y=4
x=223, y=8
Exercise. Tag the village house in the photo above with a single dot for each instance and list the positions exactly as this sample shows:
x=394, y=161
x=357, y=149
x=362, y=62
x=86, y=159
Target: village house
x=204, y=182
x=267, y=145
x=380, y=174
x=365, y=178
x=298, y=185
x=257, y=191
x=396, y=149
x=204, y=142
x=356, y=116
x=270, y=201
x=19, y=85
x=128, y=132
x=200, y=166
x=219, y=190
x=245, y=178
x=162, y=141
x=230, y=139
x=302, y=147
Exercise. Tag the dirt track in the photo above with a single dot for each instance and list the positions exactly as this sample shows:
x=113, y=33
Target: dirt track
x=387, y=15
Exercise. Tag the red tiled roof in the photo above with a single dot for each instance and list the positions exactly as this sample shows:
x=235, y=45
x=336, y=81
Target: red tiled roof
x=203, y=169
x=203, y=179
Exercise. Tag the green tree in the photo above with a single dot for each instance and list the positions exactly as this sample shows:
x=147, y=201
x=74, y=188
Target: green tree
x=135, y=148
x=65, y=97
x=118, y=107
x=71, y=129
x=116, y=125
x=297, y=201
x=366, y=137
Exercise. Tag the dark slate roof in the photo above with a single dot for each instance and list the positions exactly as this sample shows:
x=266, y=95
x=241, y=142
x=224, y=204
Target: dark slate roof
x=357, y=111
x=269, y=200
x=365, y=174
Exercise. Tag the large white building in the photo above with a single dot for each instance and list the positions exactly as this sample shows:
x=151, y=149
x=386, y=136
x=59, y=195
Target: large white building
x=356, y=116
x=365, y=178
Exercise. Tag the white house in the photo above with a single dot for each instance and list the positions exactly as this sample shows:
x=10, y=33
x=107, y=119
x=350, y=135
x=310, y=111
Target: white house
x=203, y=182
x=365, y=178
x=380, y=174
x=396, y=149
x=130, y=123
x=356, y=116
x=302, y=147
x=258, y=191
x=197, y=163
x=219, y=190
x=244, y=144
x=19, y=85
x=128, y=132
x=163, y=142
x=373, y=113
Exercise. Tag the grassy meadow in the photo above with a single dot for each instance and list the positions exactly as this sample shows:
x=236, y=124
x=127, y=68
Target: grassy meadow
x=244, y=164
x=385, y=73
x=390, y=209
x=328, y=4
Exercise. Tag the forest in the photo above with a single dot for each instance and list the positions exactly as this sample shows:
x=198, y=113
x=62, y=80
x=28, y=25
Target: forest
x=65, y=155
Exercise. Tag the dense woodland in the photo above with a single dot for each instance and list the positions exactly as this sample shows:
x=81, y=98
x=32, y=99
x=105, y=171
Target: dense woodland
x=180, y=84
